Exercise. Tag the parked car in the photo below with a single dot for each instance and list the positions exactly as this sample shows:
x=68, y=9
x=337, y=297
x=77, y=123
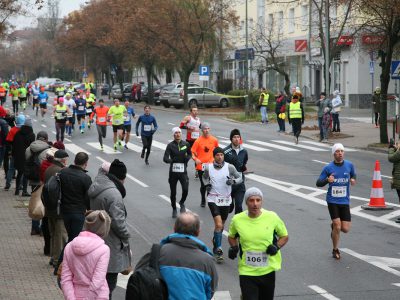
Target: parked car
x=156, y=96
x=116, y=90
x=105, y=89
x=198, y=96
x=170, y=88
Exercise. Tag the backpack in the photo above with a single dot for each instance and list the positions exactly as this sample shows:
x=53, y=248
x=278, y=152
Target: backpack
x=146, y=282
x=32, y=166
x=51, y=193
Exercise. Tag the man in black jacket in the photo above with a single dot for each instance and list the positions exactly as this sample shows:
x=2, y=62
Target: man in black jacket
x=177, y=154
x=75, y=184
x=236, y=155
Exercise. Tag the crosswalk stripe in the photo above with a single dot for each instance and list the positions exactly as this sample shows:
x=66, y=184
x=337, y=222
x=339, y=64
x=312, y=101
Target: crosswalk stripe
x=252, y=147
x=159, y=145
x=300, y=145
x=75, y=149
x=107, y=149
x=327, y=146
x=272, y=145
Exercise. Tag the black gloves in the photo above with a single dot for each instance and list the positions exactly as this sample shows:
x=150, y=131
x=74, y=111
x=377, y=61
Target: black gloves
x=230, y=181
x=272, y=250
x=233, y=252
x=208, y=187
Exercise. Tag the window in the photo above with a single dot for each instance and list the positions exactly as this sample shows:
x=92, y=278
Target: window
x=304, y=17
x=260, y=25
x=280, y=21
x=291, y=20
x=242, y=29
x=251, y=25
x=270, y=21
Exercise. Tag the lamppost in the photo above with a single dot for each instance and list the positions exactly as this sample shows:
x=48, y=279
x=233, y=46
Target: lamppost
x=327, y=52
x=247, y=111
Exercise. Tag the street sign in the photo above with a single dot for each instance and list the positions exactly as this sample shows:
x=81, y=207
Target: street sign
x=345, y=40
x=84, y=74
x=395, y=70
x=240, y=54
x=371, y=67
x=372, y=39
x=204, y=73
x=300, y=45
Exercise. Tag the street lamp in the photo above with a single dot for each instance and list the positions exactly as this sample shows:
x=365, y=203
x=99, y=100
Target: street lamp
x=327, y=53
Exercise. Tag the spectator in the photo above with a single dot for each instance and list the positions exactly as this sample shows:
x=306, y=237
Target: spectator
x=336, y=104
x=322, y=102
x=86, y=259
x=394, y=158
x=280, y=109
x=3, y=134
x=376, y=102
x=326, y=122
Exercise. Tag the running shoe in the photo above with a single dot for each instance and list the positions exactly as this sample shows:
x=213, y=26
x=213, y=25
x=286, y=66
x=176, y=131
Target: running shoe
x=115, y=147
x=101, y=148
x=126, y=146
x=336, y=253
x=219, y=256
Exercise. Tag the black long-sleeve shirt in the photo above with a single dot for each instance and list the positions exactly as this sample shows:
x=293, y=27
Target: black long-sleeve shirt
x=177, y=153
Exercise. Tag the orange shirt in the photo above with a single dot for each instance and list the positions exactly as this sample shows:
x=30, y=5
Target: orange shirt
x=203, y=148
x=3, y=92
x=101, y=115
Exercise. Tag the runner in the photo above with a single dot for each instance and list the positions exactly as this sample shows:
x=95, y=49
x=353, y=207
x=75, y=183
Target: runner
x=35, y=96
x=117, y=112
x=59, y=91
x=90, y=103
x=80, y=112
x=6, y=86
x=257, y=235
x=148, y=128
x=221, y=176
x=61, y=112
x=22, y=95
x=202, y=153
x=70, y=103
x=101, y=121
x=43, y=97
x=128, y=123
x=3, y=95
x=237, y=156
x=339, y=174
x=177, y=154
x=192, y=125
x=71, y=89
x=14, y=98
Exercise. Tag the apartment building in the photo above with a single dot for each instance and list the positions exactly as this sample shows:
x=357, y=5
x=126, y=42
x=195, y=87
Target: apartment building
x=286, y=26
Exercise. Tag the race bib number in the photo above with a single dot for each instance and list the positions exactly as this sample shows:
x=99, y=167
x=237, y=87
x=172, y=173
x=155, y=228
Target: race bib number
x=256, y=259
x=14, y=98
x=102, y=119
x=339, y=191
x=81, y=108
x=35, y=97
x=43, y=101
x=147, y=127
x=223, y=201
x=195, y=135
x=126, y=118
x=89, y=110
x=60, y=93
x=178, y=168
x=117, y=122
x=2, y=94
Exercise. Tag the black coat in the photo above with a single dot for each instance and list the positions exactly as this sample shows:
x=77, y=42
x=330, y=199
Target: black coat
x=23, y=138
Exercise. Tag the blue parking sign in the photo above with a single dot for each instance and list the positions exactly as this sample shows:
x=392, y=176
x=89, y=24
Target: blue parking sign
x=204, y=70
x=395, y=70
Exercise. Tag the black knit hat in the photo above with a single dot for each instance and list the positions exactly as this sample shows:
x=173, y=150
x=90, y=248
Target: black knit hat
x=118, y=169
x=233, y=133
x=218, y=150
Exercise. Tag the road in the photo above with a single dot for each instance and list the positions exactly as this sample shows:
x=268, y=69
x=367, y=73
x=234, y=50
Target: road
x=369, y=268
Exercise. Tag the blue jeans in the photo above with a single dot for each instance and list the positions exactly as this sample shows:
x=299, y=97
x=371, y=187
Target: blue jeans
x=321, y=131
x=73, y=223
x=264, y=114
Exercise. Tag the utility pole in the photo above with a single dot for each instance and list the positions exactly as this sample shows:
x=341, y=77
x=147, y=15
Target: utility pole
x=327, y=50
x=309, y=46
x=247, y=106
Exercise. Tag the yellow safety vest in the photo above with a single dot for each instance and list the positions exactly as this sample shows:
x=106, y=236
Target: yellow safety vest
x=295, y=110
x=61, y=112
x=265, y=99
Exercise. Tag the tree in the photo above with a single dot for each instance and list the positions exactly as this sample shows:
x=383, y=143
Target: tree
x=384, y=20
x=8, y=9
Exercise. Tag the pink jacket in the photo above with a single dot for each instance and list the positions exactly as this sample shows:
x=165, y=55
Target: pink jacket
x=84, y=268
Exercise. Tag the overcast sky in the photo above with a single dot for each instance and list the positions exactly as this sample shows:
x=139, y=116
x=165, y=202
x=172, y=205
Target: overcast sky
x=66, y=6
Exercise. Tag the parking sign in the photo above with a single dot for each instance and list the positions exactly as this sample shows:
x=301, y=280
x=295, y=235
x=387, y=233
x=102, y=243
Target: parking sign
x=204, y=73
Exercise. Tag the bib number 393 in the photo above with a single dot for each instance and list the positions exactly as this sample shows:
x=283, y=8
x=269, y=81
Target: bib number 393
x=256, y=259
x=339, y=191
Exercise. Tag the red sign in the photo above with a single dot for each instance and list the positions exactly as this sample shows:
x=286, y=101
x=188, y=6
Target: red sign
x=300, y=45
x=345, y=40
x=372, y=39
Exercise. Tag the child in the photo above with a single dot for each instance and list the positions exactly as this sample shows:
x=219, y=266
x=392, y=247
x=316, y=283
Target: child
x=326, y=122
x=86, y=258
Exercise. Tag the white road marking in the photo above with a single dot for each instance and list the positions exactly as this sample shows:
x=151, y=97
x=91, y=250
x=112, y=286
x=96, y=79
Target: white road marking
x=387, y=264
x=34, y=120
x=391, y=215
x=122, y=280
x=222, y=295
x=300, y=145
x=358, y=211
x=323, y=293
x=53, y=132
x=68, y=140
x=272, y=145
x=141, y=183
x=172, y=124
x=107, y=149
x=247, y=146
x=346, y=149
x=396, y=284
x=159, y=145
x=43, y=125
x=75, y=149
x=222, y=137
x=321, y=162
x=384, y=176
x=134, y=148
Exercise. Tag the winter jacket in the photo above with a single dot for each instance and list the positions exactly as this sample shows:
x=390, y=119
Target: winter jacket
x=104, y=195
x=177, y=153
x=75, y=184
x=280, y=105
x=39, y=148
x=84, y=268
x=187, y=267
x=394, y=158
x=321, y=106
x=3, y=132
x=22, y=139
x=376, y=102
x=52, y=169
x=238, y=160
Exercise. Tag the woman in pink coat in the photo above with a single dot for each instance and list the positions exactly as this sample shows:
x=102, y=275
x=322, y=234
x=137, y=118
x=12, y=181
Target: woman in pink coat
x=86, y=258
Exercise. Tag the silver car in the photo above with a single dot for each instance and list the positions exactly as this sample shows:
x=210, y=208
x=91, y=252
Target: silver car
x=198, y=96
x=170, y=89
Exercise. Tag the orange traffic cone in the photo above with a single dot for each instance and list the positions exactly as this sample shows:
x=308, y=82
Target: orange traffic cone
x=377, y=199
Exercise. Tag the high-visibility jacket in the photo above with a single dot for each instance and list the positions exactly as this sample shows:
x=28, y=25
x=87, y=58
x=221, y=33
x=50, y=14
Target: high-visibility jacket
x=295, y=110
x=5, y=85
x=265, y=99
x=22, y=92
x=61, y=113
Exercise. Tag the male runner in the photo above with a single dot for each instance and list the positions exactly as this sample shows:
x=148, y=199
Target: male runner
x=22, y=95
x=117, y=112
x=128, y=123
x=339, y=174
x=90, y=103
x=101, y=121
x=43, y=98
x=221, y=176
x=61, y=113
x=70, y=103
x=148, y=128
x=177, y=154
x=35, y=96
x=80, y=112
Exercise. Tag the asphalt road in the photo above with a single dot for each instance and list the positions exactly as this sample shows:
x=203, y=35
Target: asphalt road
x=369, y=267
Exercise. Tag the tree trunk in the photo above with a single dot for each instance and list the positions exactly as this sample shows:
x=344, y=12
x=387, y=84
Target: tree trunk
x=287, y=84
x=155, y=77
x=149, y=74
x=386, y=59
x=120, y=76
x=184, y=75
x=168, y=75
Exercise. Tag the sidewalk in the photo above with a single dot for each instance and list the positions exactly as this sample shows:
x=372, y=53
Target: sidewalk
x=25, y=271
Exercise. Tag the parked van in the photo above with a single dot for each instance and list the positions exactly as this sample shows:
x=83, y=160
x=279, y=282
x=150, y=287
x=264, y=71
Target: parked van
x=46, y=81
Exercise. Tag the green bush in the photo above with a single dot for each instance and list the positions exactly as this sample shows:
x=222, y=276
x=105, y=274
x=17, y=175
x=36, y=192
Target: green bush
x=254, y=95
